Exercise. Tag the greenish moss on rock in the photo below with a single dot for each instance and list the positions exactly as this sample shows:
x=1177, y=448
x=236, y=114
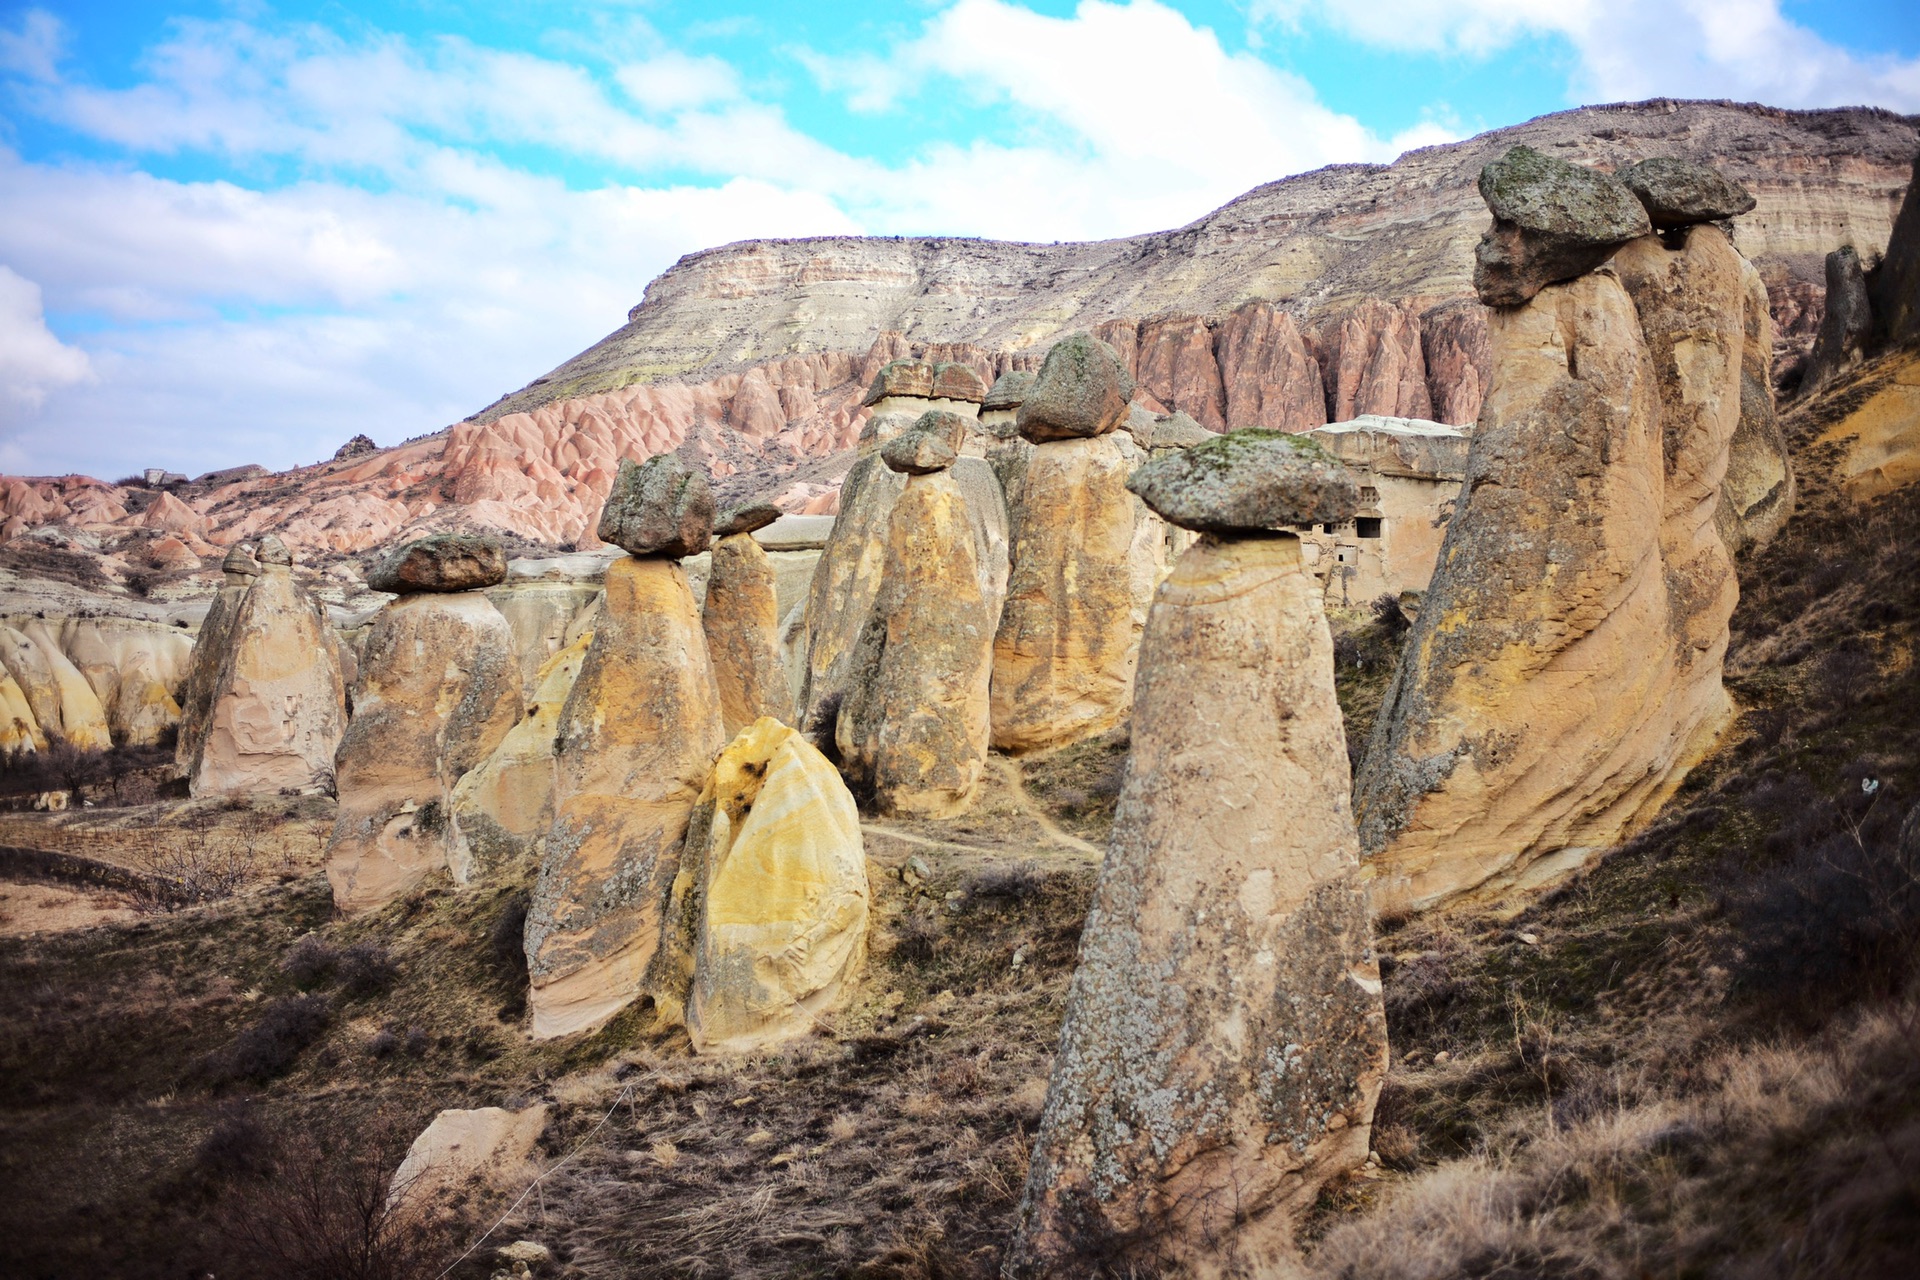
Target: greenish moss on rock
x=1247, y=481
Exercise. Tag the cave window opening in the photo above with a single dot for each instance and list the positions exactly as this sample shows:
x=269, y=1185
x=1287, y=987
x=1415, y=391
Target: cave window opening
x=1367, y=526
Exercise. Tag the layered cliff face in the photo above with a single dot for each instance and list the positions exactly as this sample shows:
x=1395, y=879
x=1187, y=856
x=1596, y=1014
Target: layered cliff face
x=1322, y=296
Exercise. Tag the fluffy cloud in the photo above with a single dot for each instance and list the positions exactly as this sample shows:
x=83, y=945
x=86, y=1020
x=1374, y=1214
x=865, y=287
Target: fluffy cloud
x=32, y=361
x=1629, y=49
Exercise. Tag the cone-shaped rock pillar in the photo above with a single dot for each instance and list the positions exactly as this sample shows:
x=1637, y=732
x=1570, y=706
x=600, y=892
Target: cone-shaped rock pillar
x=636, y=740
x=1224, y=1039
x=741, y=618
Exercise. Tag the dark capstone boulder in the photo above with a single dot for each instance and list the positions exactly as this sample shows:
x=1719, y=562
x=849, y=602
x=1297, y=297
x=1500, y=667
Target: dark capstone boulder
x=1009, y=390
x=901, y=378
x=441, y=562
x=1552, y=221
x=917, y=453
x=955, y=381
x=240, y=560
x=660, y=507
x=1178, y=430
x=1082, y=391
x=746, y=518
x=1845, y=326
x=1680, y=193
x=273, y=551
x=1247, y=481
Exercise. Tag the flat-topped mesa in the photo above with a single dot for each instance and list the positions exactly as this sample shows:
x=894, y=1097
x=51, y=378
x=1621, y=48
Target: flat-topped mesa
x=1085, y=553
x=913, y=729
x=741, y=620
x=278, y=706
x=1564, y=673
x=439, y=687
x=1224, y=1039
x=1552, y=221
x=634, y=745
x=769, y=918
x=441, y=562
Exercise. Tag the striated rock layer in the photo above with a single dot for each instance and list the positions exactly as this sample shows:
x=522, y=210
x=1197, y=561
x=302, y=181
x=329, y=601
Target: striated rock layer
x=636, y=739
x=1224, y=1040
x=1565, y=670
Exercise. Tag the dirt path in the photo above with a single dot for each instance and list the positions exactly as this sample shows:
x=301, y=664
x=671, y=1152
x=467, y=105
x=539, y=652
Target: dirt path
x=1010, y=773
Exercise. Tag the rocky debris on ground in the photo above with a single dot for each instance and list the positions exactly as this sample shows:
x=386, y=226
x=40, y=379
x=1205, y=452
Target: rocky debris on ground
x=1202, y=1095
x=1552, y=221
x=500, y=811
x=770, y=913
x=487, y=1145
x=358, y=447
x=634, y=746
x=660, y=507
x=1082, y=391
x=741, y=620
x=1563, y=677
x=441, y=562
x=439, y=687
x=1682, y=193
x=278, y=705
x=1247, y=481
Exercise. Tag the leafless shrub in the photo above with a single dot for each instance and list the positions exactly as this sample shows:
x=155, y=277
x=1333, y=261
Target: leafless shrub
x=188, y=872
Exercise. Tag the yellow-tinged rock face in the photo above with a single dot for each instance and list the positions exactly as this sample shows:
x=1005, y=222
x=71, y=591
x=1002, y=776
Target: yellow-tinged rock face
x=18, y=729
x=846, y=580
x=439, y=688
x=503, y=809
x=63, y=702
x=1883, y=435
x=637, y=738
x=1086, y=557
x=774, y=891
x=132, y=668
x=203, y=670
x=278, y=706
x=914, y=726
x=1224, y=1039
x=1565, y=671
x=1757, y=495
x=742, y=623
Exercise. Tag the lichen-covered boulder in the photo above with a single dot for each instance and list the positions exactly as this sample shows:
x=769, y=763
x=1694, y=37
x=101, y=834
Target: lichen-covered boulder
x=953, y=380
x=745, y=518
x=1552, y=221
x=1086, y=555
x=1224, y=1040
x=741, y=619
x=1564, y=672
x=660, y=507
x=502, y=809
x=918, y=453
x=1680, y=193
x=441, y=562
x=439, y=687
x=772, y=899
x=1082, y=390
x=278, y=706
x=1245, y=481
x=636, y=739
x=910, y=378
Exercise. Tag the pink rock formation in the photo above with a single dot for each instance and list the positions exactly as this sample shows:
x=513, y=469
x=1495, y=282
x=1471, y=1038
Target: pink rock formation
x=1176, y=367
x=1269, y=377
x=1373, y=363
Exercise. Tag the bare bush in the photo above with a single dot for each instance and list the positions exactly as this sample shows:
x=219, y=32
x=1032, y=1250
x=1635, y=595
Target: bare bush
x=270, y=1046
x=187, y=872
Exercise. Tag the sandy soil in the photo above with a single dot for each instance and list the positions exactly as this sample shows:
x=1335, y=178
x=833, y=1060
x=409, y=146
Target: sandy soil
x=52, y=908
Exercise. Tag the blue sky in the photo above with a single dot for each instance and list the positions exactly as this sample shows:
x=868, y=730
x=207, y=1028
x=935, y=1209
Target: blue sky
x=243, y=232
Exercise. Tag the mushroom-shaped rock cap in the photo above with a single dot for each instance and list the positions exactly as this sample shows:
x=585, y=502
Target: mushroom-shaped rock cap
x=1247, y=481
x=1552, y=221
x=240, y=560
x=1009, y=390
x=1680, y=193
x=660, y=507
x=746, y=518
x=901, y=378
x=1178, y=430
x=273, y=551
x=1082, y=390
x=917, y=453
x=956, y=381
x=441, y=562
x=946, y=425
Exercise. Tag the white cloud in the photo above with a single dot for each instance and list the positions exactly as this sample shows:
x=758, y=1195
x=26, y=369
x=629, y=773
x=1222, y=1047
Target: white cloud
x=1626, y=49
x=34, y=50
x=32, y=361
